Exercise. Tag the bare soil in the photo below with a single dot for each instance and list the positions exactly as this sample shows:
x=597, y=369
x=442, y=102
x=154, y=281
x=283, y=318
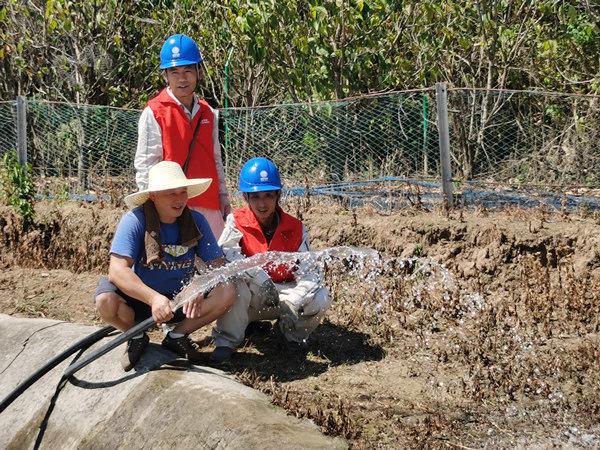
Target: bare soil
x=505, y=353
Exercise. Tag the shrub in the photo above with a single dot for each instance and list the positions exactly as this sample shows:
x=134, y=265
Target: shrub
x=17, y=187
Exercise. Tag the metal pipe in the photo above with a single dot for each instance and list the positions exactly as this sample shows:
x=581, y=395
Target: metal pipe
x=226, y=100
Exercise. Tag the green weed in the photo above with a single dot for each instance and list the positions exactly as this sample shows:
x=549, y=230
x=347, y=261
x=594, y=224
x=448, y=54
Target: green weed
x=17, y=187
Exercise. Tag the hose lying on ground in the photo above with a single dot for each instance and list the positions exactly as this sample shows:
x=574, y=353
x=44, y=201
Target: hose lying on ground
x=120, y=339
x=80, y=345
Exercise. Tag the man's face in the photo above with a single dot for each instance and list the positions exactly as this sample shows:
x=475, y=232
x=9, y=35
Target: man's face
x=169, y=204
x=182, y=80
x=263, y=205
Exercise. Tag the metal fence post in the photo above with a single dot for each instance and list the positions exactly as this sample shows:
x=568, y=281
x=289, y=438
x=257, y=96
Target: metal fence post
x=441, y=96
x=22, y=129
x=84, y=151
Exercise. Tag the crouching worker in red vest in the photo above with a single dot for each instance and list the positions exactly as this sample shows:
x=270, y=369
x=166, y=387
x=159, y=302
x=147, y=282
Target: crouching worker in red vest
x=273, y=292
x=152, y=255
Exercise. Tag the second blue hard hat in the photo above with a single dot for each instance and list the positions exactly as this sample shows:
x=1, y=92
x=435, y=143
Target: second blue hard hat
x=259, y=174
x=179, y=50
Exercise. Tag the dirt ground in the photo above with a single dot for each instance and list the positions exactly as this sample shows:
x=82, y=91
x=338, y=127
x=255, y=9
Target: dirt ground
x=476, y=329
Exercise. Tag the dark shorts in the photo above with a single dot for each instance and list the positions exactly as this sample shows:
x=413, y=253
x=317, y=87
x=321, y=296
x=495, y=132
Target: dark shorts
x=141, y=310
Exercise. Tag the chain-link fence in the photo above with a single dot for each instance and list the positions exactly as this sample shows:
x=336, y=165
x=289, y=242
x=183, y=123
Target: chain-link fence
x=526, y=147
x=331, y=142
x=75, y=149
x=362, y=148
x=89, y=149
x=525, y=138
x=544, y=145
x=8, y=127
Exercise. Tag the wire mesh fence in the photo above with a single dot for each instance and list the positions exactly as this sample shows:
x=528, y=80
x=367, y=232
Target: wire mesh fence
x=380, y=146
x=542, y=146
x=8, y=127
x=525, y=138
x=332, y=142
x=81, y=149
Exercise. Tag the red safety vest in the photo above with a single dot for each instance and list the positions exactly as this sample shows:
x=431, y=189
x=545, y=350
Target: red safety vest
x=287, y=238
x=177, y=132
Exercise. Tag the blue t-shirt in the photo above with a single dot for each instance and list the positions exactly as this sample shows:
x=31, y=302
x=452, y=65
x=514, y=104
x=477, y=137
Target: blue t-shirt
x=178, y=262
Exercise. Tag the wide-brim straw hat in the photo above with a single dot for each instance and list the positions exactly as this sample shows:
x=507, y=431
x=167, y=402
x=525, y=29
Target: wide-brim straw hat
x=164, y=176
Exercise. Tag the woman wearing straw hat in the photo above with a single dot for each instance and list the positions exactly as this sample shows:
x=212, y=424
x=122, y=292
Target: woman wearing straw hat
x=152, y=255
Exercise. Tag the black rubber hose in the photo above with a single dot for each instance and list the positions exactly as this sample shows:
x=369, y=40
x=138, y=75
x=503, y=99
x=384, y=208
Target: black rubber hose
x=121, y=338
x=80, y=345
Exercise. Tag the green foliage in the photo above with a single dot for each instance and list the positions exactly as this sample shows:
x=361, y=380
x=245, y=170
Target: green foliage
x=63, y=193
x=106, y=52
x=17, y=187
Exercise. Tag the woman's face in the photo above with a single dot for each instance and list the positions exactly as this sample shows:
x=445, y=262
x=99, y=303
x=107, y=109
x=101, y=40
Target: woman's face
x=263, y=205
x=169, y=204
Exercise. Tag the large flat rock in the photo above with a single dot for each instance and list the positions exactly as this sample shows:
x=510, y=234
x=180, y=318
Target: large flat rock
x=160, y=405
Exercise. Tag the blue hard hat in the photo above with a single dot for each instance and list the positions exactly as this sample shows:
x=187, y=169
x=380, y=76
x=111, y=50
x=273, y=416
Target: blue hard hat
x=179, y=50
x=259, y=174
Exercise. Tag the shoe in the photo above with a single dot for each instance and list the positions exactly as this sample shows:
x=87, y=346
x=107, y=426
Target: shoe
x=221, y=355
x=296, y=347
x=183, y=347
x=290, y=346
x=133, y=352
x=258, y=327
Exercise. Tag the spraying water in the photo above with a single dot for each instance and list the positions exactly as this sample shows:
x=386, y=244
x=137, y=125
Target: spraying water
x=301, y=261
x=424, y=272
x=369, y=261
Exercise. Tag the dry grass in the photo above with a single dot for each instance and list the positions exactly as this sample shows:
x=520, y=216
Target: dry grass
x=502, y=353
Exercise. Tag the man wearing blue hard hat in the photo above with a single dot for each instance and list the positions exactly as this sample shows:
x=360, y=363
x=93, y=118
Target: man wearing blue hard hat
x=178, y=126
x=298, y=302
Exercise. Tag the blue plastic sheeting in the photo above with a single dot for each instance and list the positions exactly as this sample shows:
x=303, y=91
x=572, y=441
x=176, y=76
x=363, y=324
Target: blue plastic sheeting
x=348, y=193
x=534, y=200
x=345, y=189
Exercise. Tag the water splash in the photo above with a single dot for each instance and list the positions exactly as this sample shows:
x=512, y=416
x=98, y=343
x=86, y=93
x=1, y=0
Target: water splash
x=303, y=262
x=368, y=264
